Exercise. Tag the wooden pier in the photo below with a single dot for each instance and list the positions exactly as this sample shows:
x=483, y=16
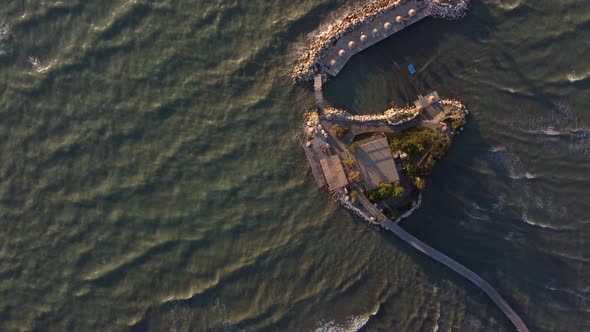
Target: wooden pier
x=319, y=96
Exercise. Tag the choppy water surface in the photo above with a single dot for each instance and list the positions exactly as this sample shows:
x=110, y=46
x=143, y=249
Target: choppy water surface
x=151, y=179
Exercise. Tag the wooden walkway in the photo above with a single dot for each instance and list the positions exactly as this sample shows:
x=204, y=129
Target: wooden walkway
x=316, y=167
x=389, y=225
x=319, y=96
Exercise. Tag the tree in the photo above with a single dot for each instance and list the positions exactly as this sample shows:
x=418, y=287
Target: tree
x=420, y=183
x=354, y=176
x=354, y=195
x=338, y=131
x=386, y=190
x=352, y=146
x=349, y=163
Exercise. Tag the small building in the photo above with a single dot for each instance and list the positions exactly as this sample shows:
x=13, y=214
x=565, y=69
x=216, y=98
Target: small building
x=334, y=172
x=376, y=163
x=429, y=105
x=429, y=99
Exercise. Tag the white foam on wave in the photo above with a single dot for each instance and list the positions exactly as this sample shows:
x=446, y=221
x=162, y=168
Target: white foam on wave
x=507, y=5
x=497, y=148
x=526, y=219
x=572, y=77
x=551, y=132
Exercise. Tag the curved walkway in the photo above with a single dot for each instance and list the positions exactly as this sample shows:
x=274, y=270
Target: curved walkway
x=389, y=225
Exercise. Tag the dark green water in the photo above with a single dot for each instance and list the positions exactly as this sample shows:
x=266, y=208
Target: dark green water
x=151, y=179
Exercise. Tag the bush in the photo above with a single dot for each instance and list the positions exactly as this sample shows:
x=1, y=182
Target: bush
x=457, y=124
x=338, y=131
x=440, y=148
x=409, y=169
x=414, y=141
x=354, y=195
x=385, y=191
x=354, y=176
x=420, y=183
x=349, y=163
x=352, y=146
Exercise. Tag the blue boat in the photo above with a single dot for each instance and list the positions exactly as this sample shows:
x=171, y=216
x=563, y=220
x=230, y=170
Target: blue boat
x=411, y=69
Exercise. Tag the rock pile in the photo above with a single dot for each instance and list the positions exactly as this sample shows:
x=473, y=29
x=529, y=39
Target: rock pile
x=455, y=103
x=393, y=116
x=440, y=9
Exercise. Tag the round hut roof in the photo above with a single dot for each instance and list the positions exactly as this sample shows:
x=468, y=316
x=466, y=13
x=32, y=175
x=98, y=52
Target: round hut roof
x=399, y=19
x=412, y=12
x=341, y=52
x=363, y=38
x=332, y=62
x=431, y=99
x=387, y=25
x=351, y=44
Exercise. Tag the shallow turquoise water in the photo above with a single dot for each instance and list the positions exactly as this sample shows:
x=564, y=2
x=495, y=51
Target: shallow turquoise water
x=151, y=177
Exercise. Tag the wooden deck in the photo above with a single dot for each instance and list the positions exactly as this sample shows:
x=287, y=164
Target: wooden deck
x=316, y=167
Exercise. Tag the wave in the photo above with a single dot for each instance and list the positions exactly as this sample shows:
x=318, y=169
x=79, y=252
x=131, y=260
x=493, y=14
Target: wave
x=507, y=5
x=572, y=77
x=526, y=219
x=551, y=132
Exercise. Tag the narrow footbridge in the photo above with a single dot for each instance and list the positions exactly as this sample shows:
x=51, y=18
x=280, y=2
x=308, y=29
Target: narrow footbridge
x=319, y=97
x=389, y=225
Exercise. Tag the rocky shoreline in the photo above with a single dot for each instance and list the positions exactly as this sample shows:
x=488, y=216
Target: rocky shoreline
x=308, y=64
x=393, y=116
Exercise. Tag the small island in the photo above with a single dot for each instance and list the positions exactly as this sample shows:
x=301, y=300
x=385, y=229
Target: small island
x=377, y=165
x=384, y=158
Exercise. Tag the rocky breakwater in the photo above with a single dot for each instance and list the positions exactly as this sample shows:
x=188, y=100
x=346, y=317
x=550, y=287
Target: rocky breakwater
x=393, y=116
x=307, y=64
x=449, y=11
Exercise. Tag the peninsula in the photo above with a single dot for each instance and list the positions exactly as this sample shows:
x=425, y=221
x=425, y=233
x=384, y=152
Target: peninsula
x=376, y=165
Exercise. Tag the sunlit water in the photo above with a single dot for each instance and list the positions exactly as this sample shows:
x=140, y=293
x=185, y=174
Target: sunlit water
x=151, y=177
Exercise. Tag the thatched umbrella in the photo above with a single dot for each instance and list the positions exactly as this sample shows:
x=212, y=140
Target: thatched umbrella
x=351, y=44
x=341, y=52
x=399, y=19
x=412, y=12
x=387, y=25
x=332, y=62
x=363, y=38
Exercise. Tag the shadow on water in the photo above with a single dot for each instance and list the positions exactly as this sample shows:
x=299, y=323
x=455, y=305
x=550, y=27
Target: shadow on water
x=503, y=250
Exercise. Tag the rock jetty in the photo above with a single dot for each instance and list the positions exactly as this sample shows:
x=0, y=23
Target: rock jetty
x=309, y=63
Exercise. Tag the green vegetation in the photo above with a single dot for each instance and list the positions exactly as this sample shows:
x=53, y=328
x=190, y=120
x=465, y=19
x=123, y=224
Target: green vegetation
x=350, y=163
x=353, y=196
x=385, y=191
x=338, y=131
x=457, y=123
x=420, y=183
x=415, y=142
x=354, y=176
x=352, y=146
